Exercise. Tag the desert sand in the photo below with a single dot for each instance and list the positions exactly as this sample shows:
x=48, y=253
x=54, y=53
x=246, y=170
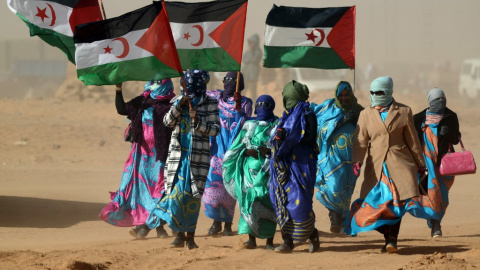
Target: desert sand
x=59, y=158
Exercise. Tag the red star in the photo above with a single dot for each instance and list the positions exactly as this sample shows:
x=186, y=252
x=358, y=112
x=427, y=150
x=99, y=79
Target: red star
x=311, y=36
x=186, y=35
x=108, y=49
x=42, y=13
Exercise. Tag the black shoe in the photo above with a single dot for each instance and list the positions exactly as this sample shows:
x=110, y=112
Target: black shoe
x=191, y=241
x=436, y=228
x=161, y=232
x=227, y=231
x=335, y=221
x=391, y=246
x=384, y=249
x=284, y=248
x=179, y=240
x=251, y=243
x=314, y=242
x=143, y=231
x=216, y=228
x=133, y=231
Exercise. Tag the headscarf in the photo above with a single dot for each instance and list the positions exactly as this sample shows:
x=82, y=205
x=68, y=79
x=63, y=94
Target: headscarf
x=384, y=84
x=196, y=81
x=294, y=92
x=160, y=89
x=353, y=100
x=230, y=86
x=263, y=113
x=436, y=100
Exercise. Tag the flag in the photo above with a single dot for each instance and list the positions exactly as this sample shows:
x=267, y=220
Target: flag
x=54, y=21
x=137, y=46
x=209, y=35
x=321, y=38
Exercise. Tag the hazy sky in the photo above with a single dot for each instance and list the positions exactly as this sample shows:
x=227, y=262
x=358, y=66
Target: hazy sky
x=387, y=31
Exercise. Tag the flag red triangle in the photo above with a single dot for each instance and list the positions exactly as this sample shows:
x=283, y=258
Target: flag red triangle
x=342, y=37
x=158, y=40
x=84, y=12
x=229, y=35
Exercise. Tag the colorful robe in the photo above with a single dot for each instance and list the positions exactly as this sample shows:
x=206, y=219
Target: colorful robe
x=247, y=179
x=218, y=204
x=335, y=178
x=292, y=182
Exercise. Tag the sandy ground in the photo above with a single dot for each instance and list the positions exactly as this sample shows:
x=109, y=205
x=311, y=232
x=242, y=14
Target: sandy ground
x=58, y=160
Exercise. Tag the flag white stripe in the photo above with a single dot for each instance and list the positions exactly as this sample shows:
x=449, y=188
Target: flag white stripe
x=28, y=9
x=291, y=37
x=93, y=54
x=179, y=30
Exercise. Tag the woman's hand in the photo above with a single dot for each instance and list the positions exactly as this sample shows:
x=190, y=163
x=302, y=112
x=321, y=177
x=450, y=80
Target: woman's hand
x=193, y=116
x=356, y=168
x=265, y=151
x=183, y=102
x=252, y=153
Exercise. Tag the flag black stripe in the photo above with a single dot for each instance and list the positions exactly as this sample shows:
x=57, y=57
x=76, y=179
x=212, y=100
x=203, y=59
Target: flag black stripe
x=297, y=17
x=116, y=27
x=68, y=3
x=181, y=12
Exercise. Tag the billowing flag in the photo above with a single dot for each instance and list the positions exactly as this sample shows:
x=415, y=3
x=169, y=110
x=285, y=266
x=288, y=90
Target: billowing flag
x=209, y=35
x=321, y=38
x=54, y=21
x=137, y=46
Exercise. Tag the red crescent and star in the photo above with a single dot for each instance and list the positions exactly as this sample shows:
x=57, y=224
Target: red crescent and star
x=312, y=36
x=126, y=48
x=42, y=14
x=200, y=39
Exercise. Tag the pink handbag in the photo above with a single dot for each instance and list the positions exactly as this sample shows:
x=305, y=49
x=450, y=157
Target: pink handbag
x=458, y=163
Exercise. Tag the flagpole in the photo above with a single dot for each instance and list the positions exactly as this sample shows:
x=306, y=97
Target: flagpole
x=100, y=2
x=187, y=95
x=238, y=104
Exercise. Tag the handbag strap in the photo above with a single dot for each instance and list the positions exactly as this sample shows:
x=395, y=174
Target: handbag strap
x=450, y=146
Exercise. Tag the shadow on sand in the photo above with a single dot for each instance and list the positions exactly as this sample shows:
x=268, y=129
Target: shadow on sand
x=45, y=213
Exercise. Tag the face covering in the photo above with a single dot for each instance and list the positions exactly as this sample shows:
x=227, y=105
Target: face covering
x=384, y=84
x=264, y=108
x=159, y=89
x=196, y=81
x=230, y=84
x=294, y=92
x=437, y=100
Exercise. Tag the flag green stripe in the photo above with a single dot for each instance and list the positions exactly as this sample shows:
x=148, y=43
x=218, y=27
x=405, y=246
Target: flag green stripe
x=212, y=59
x=143, y=69
x=308, y=57
x=55, y=39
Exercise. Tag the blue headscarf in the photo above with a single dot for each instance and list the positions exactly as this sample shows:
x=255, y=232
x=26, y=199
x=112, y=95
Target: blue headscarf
x=384, y=84
x=230, y=86
x=263, y=113
x=160, y=89
x=196, y=81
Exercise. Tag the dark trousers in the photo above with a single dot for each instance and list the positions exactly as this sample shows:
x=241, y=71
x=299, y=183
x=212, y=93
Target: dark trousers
x=390, y=230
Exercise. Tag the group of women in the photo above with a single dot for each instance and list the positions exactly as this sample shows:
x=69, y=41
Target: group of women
x=200, y=147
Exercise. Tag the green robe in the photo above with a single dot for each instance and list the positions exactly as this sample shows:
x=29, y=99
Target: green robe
x=247, y=179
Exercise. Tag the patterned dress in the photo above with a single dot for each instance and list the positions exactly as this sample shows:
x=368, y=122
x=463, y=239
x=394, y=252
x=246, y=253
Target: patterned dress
x=247, y=179
x=218, y=204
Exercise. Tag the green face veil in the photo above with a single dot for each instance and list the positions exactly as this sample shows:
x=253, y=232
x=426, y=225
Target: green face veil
x=293, y=93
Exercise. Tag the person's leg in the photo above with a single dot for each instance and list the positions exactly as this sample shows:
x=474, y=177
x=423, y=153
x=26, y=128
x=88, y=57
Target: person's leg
x=269, y=245
x=335, y=221
x=133, y=231
x=179, y=240
x=393, y=236
x=216, y=228
x=436, y=228
x=143, y=231
x=251, y=243
x=227, y=230
x=314, y=241
x=161, y=232
x=287, y=245
x=190, y=240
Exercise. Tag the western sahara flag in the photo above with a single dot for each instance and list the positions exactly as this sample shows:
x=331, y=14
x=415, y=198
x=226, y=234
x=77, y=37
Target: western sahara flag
x=310, y=37
x=137, y=46
x=54, y=21
x=209, y=35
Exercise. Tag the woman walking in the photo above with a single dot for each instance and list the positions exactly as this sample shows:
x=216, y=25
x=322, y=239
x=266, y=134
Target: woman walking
x=143, y=177
x=386, y=135
x=293, y=169
x=188, y=157
x=336, y=119
x=246, y=174
x=218, y=204
x=438, y=129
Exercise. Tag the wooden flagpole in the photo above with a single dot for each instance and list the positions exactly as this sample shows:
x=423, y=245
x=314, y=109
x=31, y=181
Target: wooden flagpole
x=187, y=95
x=238, y=103
x=100, y=2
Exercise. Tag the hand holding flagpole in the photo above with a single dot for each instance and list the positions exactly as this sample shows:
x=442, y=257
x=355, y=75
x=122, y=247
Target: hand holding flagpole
x=237, y=96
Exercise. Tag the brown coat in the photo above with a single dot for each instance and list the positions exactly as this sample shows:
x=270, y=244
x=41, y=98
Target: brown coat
x=394, y=142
